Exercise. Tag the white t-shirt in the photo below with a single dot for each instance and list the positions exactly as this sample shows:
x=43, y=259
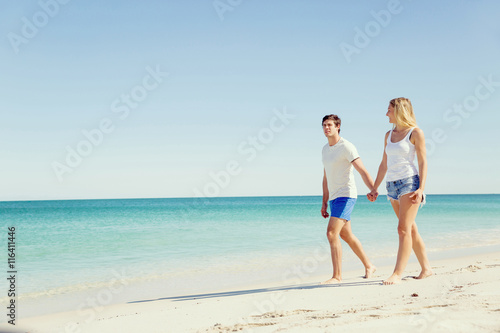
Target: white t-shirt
x=339, y=170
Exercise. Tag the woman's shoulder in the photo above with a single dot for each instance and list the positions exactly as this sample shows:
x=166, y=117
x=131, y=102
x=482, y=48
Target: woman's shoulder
x=417, y=131
x=416, y=134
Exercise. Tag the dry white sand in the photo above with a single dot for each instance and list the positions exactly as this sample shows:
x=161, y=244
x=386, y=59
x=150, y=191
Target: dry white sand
x=463, y=296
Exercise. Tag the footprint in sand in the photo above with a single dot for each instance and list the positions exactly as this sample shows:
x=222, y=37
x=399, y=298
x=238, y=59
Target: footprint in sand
x=269, y=315
x=473, y=268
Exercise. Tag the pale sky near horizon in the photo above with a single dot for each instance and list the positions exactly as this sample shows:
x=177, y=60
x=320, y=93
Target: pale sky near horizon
x=127, y=99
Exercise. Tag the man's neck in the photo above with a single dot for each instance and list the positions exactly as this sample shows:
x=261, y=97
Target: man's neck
x=332, y=140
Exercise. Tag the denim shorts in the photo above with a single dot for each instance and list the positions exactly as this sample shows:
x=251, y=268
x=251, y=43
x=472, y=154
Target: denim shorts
x=400, y=187
x=342, y=207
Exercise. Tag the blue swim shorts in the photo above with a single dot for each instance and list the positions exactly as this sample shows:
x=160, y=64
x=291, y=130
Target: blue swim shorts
x=342, y=207
x=400, y=187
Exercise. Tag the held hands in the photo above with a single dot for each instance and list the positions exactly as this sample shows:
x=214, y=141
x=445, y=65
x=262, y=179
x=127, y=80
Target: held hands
x=324, y=211
x=372, y=196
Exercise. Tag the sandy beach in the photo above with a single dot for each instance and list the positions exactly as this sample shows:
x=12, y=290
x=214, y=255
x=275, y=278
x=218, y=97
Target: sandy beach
x=462, y=296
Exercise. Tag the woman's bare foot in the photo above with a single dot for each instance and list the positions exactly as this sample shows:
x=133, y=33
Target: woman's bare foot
x=331, y=281
x=425, y=273
x=393, y=279
x=369, y=272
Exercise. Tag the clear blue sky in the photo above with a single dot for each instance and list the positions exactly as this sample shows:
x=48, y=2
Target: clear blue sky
x=233, y=66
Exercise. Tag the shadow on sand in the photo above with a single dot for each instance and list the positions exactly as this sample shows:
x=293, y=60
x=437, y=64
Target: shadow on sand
x=261, y=290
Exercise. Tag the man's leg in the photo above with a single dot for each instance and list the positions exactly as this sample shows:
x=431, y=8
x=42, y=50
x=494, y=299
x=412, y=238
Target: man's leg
x=347, y=235
x=333, y=234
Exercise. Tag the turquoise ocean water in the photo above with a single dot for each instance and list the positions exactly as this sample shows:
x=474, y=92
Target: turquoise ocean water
x=193, y=245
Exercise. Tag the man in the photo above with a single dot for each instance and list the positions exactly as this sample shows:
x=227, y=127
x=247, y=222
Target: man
x=339, y=190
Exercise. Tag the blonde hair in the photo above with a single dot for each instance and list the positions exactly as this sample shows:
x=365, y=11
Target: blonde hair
x=403, y=112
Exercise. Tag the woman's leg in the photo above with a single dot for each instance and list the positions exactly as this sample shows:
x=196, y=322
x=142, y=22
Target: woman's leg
x=419, y=249
x=406, y=212
x=418, y=246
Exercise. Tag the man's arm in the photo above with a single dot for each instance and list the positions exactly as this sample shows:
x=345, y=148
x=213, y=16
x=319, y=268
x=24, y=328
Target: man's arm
x=326, y=194
x=367, y=179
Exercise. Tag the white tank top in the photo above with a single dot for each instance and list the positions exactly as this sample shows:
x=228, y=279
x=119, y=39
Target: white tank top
x=400, y=158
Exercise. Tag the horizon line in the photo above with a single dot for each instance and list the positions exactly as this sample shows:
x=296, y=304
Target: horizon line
x=217, y=197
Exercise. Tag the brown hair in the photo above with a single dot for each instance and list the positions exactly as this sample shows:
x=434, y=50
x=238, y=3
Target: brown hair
x=334, y=117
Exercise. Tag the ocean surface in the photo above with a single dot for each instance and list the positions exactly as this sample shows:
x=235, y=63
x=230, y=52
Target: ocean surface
x=196, y=244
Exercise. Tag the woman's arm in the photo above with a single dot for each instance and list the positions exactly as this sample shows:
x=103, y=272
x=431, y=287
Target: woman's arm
x=418, y=139
x=382, y=169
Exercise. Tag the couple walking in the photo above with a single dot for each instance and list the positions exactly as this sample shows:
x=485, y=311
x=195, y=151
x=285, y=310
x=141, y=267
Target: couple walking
x=405, y=187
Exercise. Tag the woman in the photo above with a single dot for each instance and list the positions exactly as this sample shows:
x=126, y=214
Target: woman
x=405, y=184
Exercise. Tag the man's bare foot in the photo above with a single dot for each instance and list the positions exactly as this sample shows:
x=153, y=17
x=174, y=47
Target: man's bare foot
x=424, y=274
x=369, y=272
x=393, y=279
x=331, y=281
